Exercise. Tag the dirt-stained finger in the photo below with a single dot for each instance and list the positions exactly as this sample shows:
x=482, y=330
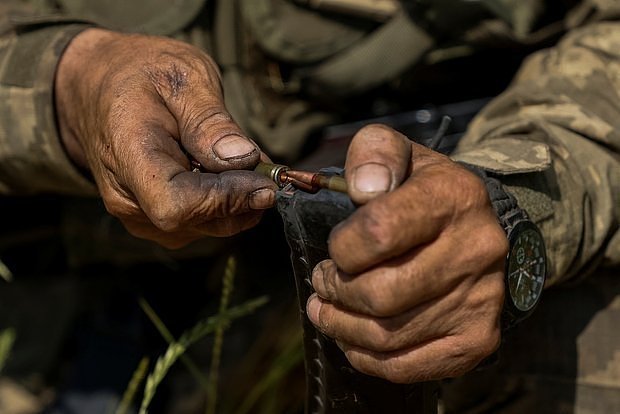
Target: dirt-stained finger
x=377, y=161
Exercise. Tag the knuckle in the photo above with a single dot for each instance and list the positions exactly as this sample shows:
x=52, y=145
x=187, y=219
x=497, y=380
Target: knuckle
x=493, y=243
x=165, y=216
x=175, y=67
x=118, y=206
x=495, y=287
x=486, y=342
x=383, y=339
x=473, y=193
x=501, y=243
x=223, y=202
x=377, y=229
x=170, y=77
x=490, y=343
x=492, y=246
x=378, y=300
x=489, y=244
x=397, y=371
x=201, y=119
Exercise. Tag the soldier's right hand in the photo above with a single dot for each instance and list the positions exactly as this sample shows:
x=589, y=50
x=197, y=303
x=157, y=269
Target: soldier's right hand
x=131, y=110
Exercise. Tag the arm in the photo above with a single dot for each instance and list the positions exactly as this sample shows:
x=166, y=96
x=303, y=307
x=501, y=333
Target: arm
x=134, y=109
x=564, y=99
x=32, y=158
x=415, y=286
x=131, y=110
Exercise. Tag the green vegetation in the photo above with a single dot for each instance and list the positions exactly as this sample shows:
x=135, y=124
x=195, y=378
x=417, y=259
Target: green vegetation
x=275, y=355
x=7, y=339
x=5, y=272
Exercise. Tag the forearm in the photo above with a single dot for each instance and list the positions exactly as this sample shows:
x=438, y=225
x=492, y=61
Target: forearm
x=32, y=157
x=565, y=98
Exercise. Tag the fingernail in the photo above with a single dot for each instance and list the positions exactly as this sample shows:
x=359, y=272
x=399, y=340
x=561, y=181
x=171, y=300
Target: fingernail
x=313, y=309
x=318, y=280
x=372, y=178
x=262, y=199
x=232, y=147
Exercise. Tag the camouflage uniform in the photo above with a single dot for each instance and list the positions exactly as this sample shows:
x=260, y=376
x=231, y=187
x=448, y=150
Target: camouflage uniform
x=552, y=137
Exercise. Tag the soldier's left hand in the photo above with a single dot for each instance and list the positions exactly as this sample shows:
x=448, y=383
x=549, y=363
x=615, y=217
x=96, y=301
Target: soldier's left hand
x=415, y=286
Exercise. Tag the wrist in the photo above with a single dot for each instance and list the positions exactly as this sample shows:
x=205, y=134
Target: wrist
x=526, y=262
x=75, y=82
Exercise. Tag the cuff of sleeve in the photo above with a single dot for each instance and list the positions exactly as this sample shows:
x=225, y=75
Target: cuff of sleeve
x=522, y=166
x=33, y=159
x=507, y=156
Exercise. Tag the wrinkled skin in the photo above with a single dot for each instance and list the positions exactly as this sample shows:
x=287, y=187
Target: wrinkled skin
x=414, y=289
x=130, y=109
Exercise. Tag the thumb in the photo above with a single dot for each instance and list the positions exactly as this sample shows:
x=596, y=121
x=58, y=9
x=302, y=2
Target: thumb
x=377, y=162
x=206, y=130
x=212, y=137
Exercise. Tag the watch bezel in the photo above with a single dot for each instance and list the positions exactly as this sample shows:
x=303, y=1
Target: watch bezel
x=515, y=312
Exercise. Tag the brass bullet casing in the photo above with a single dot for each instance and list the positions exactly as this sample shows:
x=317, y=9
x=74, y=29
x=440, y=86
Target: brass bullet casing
x=275, y=172
x=332, y=182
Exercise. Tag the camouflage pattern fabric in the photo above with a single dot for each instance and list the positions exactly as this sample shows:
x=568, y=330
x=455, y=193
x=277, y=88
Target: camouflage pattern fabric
x=31, y=156
x=563, y=112
x=564, y=359
x=552, y=137
x=566, y=99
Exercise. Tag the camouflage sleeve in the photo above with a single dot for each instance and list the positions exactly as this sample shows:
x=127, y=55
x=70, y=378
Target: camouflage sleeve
x=32, y=158
x=554, y=138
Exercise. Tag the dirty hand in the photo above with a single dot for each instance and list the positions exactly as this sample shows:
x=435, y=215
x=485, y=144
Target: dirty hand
x=415, y=287
x=130, y=109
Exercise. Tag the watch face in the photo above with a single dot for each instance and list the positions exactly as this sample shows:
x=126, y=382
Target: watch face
x=527, y=265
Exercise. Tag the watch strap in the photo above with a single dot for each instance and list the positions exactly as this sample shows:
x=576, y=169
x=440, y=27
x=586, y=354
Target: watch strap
x=504, y=203
x=508, y=214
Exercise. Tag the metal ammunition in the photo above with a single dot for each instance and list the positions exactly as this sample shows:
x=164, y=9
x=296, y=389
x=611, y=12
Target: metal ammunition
x=275, y=172
x=332, y=182
x=304, y=180
x=315, y=181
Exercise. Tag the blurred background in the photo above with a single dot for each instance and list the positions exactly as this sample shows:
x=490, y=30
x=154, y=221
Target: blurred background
x=75, y=333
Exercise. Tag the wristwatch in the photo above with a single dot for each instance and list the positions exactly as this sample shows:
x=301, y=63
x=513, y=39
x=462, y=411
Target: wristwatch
x=526, y=262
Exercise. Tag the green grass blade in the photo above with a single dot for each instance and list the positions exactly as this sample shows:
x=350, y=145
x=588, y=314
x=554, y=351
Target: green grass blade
x=7, y=339
x=176, y=349
x=5, y=272
x=218, y=341
x=167, y=335
x=132, y=388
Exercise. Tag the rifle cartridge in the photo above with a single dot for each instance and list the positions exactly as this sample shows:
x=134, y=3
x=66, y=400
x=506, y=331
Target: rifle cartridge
x=275, y=172
x=332, y=182
x=304, y=180
x=315, y=181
